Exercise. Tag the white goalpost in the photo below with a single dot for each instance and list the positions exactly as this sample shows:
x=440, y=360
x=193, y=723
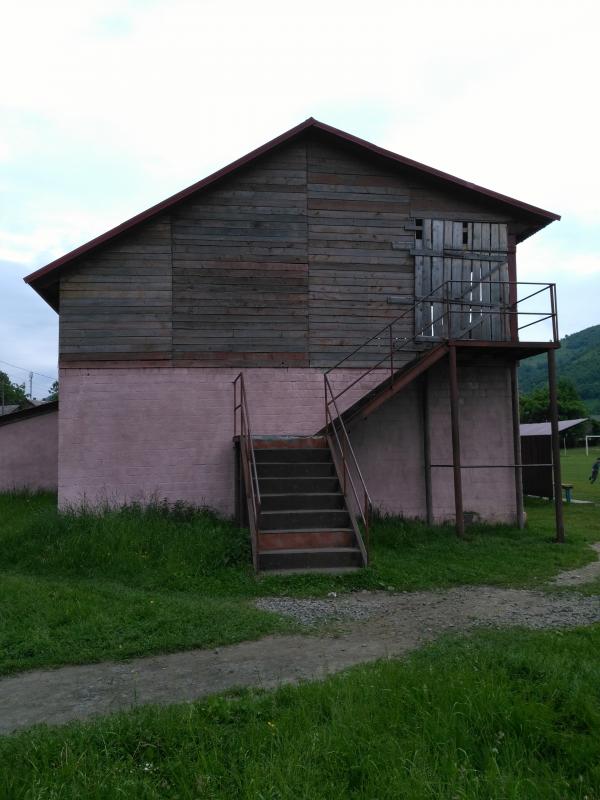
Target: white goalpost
x=590, y=436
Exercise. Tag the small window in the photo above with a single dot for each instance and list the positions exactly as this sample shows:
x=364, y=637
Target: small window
x=419, y=229
x=465, y=233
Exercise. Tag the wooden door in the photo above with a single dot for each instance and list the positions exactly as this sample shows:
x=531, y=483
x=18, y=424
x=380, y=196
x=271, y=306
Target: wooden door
x=461, y=277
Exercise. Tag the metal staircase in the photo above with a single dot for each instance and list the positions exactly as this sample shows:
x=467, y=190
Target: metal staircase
x=307, y=503
x=304, y=522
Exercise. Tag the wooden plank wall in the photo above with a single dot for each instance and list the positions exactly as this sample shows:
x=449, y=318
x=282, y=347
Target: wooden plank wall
x=356, y=213
x=291, y=261
x=240, y=275
x=117, y=303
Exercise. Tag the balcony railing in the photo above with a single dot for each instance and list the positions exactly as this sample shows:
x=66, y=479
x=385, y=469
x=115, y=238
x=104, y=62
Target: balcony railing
x=490, y=311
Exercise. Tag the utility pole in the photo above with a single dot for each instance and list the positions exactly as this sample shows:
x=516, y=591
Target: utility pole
x=31, y=385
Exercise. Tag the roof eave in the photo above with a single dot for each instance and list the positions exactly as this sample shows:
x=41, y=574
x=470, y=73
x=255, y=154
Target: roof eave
x=41, y=281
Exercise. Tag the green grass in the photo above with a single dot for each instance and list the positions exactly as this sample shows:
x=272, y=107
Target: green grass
x=76, y=589
x=576, y=468
x=46, y=622
x=82, y=588
x=497, y=716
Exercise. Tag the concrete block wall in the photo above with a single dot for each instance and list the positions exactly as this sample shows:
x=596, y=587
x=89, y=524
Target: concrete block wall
x=389, y=447
x=29, y=452
x=137, y=434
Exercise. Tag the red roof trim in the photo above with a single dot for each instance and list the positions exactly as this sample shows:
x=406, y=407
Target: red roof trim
x=437, y=173
x=34, y=277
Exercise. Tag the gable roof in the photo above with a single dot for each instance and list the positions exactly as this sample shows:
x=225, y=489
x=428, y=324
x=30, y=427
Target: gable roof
x=43, y=279
x=28, y=413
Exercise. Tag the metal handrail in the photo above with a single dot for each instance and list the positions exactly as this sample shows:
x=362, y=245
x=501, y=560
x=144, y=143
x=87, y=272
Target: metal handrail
x=393, y=349
x=434, y=296
x=365, y=507
x=506, y=310
x=389, y=325
x=248, y=462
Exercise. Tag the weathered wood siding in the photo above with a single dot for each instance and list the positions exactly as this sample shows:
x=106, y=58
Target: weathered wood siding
x=356, y=213
x=116, y=304
x=464, y=262
x=240, y=275
x=293, y=261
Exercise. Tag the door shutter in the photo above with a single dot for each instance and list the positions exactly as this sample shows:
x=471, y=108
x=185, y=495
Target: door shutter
x=461, y=274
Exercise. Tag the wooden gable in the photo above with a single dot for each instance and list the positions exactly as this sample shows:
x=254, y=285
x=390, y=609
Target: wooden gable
x=294, y=259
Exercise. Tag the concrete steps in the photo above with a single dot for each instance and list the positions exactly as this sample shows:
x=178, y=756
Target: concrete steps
x=304, y=524
x=313, y=558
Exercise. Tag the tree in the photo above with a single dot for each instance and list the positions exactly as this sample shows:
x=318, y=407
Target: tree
x=53, y=392
x=535, y=406
x=11, y=393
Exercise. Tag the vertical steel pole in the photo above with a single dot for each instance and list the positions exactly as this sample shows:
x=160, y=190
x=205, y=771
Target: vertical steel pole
x=367, y=515
x=513, y=323
x=344, y=467
x=454, y=417
x=514, y=393
x=554, y=312
x=391, y=356
x=558, y=504
x=235, y=407
x=426, y=446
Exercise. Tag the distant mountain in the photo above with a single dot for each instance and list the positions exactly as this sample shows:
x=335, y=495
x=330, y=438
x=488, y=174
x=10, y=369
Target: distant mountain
x=578, y=360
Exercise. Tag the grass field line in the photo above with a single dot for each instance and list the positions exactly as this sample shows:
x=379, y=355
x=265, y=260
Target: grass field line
x=399, y=623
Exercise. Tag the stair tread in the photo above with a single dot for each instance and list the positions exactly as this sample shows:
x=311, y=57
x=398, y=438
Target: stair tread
x=301, y=494
x=288, y=463
x=306, y=511
x=295, y=449
x=283, y=482
x=310, y=551
x=313, y=531
x=312, y=570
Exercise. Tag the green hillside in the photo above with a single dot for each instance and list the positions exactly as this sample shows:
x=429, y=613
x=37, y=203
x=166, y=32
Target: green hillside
x=578, y=360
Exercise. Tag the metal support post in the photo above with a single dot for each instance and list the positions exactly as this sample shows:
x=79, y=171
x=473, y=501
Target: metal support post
x=513, y=320
x=558, y=504
x=514, y=392
x=454, y=416
x=426, y=446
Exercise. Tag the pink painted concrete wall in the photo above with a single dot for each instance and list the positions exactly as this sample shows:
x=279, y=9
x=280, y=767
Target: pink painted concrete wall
x=137, y=434
x=389, y=447
x=134, y=434
x=29, y=453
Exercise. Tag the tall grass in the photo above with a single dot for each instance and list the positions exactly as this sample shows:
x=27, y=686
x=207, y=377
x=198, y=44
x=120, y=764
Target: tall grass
x=171, y=548
x=188, y=550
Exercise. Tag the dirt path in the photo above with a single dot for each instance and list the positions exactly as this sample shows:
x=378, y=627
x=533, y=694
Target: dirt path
x=367, y=626
x=577, y=577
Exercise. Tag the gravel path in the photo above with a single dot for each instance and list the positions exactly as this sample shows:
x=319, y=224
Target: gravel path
x=369, y=626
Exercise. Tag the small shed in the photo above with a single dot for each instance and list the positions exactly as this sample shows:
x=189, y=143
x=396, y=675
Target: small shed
x=536, y=450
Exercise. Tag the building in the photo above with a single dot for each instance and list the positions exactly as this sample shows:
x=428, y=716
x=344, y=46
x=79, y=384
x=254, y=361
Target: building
x=536, y=455
x=276, y=268
x=29, y=448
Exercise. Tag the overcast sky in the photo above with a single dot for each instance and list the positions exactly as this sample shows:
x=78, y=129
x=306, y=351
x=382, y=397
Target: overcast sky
x=108, y=107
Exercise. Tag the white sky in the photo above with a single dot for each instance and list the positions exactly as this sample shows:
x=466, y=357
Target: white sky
x=108, y=107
